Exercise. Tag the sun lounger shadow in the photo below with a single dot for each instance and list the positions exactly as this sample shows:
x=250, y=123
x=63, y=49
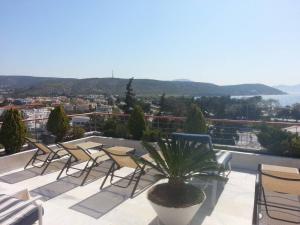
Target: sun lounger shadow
x=32, y=172
x=112, y=196
x=68, y=183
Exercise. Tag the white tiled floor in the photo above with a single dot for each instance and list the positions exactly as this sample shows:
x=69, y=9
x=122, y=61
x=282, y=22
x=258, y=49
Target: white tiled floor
x=234, y=206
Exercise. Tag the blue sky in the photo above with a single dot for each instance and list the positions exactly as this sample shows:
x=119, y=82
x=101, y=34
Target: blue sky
x=223, y=42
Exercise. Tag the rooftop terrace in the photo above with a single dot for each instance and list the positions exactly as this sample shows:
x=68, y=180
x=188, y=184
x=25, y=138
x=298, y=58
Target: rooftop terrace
x=66, y=202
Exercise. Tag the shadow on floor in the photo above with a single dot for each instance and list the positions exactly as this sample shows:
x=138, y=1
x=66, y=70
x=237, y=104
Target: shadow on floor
x=68, y=183
x=110, y=197
x=32, y=172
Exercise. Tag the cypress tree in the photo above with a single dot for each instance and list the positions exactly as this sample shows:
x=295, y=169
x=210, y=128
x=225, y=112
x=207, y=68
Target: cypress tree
x=195, y=121
x=58, y=123
x=137, y=123
x=129, y=97
x=13, y=131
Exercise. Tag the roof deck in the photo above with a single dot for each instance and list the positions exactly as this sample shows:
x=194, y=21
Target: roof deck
x=66, y=202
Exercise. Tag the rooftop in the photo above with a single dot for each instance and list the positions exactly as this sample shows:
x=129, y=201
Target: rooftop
x=69, y=203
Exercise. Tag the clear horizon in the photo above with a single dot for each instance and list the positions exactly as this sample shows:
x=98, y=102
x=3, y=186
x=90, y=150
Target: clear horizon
x=221, y=42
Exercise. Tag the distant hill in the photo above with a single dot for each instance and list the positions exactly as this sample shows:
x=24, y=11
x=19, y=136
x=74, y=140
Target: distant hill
x=46, y=86
x=292, y=89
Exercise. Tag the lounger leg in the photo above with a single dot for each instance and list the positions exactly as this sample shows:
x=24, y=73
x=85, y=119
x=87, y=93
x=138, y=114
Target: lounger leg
x=137, y=181
x=108, y=173
x=65, y=166
x=48, y=163
x=32, y=159
x=88, y=171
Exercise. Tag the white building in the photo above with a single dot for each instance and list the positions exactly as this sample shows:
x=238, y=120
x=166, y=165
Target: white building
x=104, y=109
x=80, y=120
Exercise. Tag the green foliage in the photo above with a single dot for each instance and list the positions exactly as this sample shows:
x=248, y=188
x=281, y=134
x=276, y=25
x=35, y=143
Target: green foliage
x=279, y=142
x=151, y=135
x=195, y=121
x=4, y=103
x=295, y=113
x=180, y=160
x=58, y=123
x=146, y=106
x=129, y=98
x=121, y=131
x=13, y=131
x=77, y=132
x=137, y=123
x=232, y=108
x=175, y=106
x=109, y=127
x=162, y=104
x=115, y=128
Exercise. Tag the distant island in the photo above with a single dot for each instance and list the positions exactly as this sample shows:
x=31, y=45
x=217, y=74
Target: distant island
x=49, y=86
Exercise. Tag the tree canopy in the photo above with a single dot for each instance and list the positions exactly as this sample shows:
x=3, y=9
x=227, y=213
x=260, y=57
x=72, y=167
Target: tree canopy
x=13, y=131
x=137, y=123
x=129, y=97
x=195, y=121
x=58, y=123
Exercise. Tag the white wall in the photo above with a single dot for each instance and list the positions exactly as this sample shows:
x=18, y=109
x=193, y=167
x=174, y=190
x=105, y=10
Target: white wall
x=240, y=160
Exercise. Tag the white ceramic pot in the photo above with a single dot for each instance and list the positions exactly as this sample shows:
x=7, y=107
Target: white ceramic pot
x=176, y=216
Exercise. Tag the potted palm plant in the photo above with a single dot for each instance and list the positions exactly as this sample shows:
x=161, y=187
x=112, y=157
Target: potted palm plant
x=177, y=201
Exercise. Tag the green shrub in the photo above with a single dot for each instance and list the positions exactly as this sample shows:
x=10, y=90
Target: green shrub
x=109, y=127
x=115, y=128
x=121, y=131
x=77, y=132
x=151, y=135
x=278, y=141
x=195, y=121
x=58, y=123
x=13, y=131
x=137, y=123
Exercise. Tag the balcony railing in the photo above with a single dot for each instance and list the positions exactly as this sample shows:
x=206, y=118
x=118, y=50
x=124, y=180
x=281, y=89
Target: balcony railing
x=226, y=132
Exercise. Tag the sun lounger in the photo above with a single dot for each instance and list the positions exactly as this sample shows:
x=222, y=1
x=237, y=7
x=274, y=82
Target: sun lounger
x=44, y=155
x=78, y=154
x=277, y=190
x=123, y=157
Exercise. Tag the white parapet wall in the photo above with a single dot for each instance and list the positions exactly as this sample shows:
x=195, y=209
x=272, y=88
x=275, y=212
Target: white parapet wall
x=240, y=160
x=250, y=161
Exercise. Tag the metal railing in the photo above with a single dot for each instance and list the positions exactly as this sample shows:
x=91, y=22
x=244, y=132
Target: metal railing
x=238, y=133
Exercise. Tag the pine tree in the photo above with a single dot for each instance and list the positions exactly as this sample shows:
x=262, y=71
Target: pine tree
x=137, y=123
x=195, y=121
x=162, y=103
x=13, y=131
x=58, y=123
x=129, y=98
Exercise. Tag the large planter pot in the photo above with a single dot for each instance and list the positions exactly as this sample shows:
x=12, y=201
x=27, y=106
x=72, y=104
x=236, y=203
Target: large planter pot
x=175, y=215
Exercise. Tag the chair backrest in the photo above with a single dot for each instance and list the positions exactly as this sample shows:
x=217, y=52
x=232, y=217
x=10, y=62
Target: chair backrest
x=121, y=156
x=42, y=147
x=280, y=181
x=31, y=140
x=39, y=145
x=200, y=138
x=76, y=152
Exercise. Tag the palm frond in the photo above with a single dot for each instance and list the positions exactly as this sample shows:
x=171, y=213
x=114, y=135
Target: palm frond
x=182, y=160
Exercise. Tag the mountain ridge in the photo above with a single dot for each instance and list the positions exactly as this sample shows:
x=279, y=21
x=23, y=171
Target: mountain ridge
x=48, y=86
